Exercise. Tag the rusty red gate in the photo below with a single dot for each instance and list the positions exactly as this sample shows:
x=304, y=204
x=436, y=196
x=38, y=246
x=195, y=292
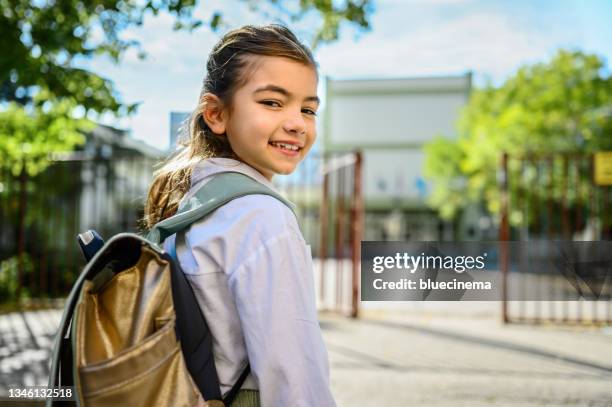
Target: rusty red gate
x=553, y=197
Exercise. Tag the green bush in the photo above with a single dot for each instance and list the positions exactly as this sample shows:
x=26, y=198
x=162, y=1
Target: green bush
x=9, y=270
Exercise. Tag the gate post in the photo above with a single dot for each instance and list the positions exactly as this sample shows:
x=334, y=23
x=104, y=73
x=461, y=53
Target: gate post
x=504, y=234
x=23, y=184
x=323, y=238
x=357, y=228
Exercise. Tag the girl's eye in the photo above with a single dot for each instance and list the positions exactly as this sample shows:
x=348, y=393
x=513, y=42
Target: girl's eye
x=272, y=103
x=309, y=111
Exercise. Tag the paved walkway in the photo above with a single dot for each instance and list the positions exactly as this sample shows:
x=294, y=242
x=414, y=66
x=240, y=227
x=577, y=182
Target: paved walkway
x=412, y=358
x=424, y=359
x=26, y=340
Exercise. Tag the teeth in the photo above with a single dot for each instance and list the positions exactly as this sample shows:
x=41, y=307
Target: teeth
x=286, y=146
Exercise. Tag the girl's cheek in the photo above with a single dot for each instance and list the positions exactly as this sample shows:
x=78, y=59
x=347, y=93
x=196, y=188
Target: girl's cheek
x=313, y=131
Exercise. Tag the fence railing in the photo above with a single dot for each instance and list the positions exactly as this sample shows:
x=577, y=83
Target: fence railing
x=553, y=197
x=41, y=215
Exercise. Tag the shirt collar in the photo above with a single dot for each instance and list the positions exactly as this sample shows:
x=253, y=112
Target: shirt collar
x=215, y=165
x=210, y=166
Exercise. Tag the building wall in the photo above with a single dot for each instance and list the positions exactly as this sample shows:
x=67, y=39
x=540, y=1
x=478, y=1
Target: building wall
x=390, y=120
x=394, y=118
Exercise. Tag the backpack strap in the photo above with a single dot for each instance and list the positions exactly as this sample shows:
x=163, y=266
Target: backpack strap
x=223, y=188
x=196, y=344
x=193, y=333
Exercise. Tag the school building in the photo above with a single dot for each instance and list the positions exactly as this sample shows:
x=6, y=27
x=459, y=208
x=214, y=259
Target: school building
x=390, y=120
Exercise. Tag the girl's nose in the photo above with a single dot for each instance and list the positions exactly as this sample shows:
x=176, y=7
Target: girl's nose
x=295, y=124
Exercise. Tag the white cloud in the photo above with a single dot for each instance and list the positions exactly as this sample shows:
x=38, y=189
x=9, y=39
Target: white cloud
x=483, y=42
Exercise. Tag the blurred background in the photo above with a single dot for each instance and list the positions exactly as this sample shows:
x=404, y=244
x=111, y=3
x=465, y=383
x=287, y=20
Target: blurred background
x=441, y=120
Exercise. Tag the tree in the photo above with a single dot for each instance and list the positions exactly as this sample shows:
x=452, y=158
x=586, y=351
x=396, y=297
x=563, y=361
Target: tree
x=39, y=41
x=41, y=87
x=37, y=131
x=562, y=106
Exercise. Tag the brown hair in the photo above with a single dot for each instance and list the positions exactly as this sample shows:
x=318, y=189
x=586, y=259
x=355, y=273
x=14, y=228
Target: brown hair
x=227, y=69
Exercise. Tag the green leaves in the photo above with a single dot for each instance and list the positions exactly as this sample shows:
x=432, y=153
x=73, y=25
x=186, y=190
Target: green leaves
x=334, y=13
x=9, y=277
x=562, y=106
x=444, y=157
x=30, y=136
x=40, y=40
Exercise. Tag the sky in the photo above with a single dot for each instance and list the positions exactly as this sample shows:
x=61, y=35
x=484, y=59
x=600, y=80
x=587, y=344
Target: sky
x=408, y=38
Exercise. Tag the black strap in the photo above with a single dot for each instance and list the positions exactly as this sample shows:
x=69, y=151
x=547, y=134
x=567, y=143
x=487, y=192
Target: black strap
x=234, y=390
x=65, y=373
x=196, y=338
x=193, y=333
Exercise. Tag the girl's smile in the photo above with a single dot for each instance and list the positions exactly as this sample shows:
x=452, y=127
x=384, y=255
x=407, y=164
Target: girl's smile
x=289, y=149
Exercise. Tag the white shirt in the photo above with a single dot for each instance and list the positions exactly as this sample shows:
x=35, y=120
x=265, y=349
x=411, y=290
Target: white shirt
x=251, y=272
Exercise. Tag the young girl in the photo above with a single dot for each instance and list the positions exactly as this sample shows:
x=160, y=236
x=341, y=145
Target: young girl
x=247, y=262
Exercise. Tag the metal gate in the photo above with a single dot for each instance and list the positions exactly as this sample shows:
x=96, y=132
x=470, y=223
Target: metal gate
x=553, y=197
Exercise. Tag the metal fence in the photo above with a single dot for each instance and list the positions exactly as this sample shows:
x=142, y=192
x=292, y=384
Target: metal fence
x=553, y=197
x=41, y=216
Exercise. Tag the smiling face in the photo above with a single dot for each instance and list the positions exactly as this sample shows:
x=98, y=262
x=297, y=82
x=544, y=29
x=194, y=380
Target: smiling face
x=271, y=121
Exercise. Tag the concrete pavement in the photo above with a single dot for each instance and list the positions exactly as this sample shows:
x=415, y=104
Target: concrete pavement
x=416, y=357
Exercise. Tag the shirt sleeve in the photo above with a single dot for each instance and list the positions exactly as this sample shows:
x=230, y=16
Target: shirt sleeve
x=274, y=293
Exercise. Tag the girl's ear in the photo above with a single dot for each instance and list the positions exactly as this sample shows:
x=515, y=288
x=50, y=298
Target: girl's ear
x=213, y=113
